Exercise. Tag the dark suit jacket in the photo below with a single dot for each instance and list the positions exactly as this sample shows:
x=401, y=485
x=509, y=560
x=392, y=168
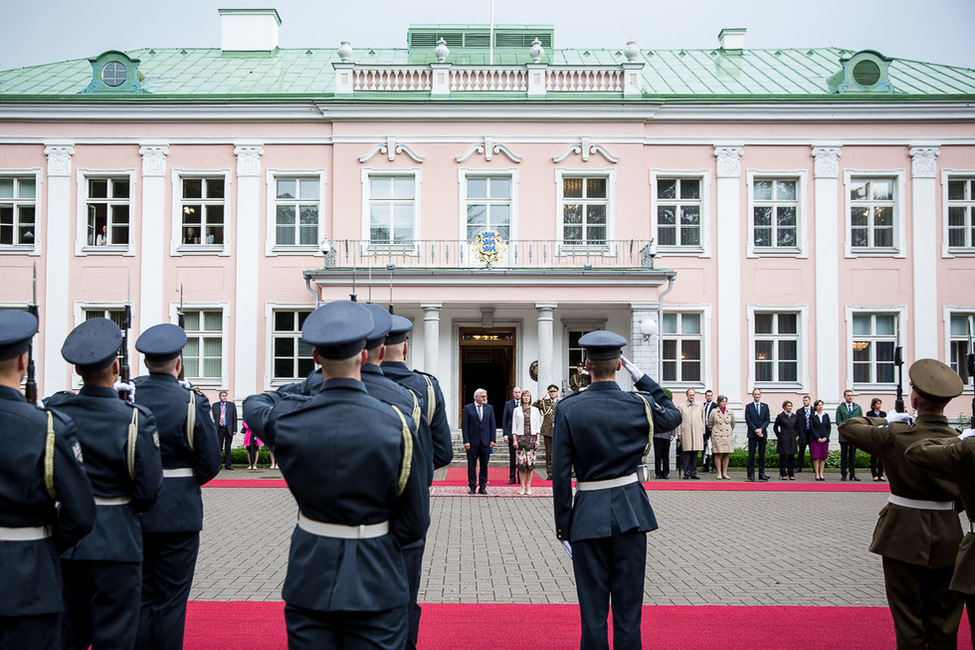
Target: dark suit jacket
x=478, y=433
x=708, y=407
x=757, y=418
x=509, y=408
x=805, y=436
x=231, y=416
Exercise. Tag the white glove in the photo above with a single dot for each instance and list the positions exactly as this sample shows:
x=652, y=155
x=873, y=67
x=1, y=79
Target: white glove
x=966, y=433
x=121, y=386
x=635, y=372
x=185, y=383
x=894, y=416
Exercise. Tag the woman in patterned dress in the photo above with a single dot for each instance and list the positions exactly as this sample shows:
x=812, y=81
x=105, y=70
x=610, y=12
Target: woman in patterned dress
x=526, y=425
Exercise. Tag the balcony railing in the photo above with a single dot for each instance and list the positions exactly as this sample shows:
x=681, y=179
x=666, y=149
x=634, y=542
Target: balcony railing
x=523, y=254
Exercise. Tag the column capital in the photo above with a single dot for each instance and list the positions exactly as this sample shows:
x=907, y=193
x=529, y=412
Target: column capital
x=827, y=161
x=154, y=159
x=729, y=161
x=924, y=161
x=59, y=159
x=431, y=306
x=248, y=159
x=543, y=306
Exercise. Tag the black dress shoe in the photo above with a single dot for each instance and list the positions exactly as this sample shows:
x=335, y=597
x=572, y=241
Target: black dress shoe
x=751, y=478
x=843, y=478
x=694, y=477
x=228, y=467
x=763, y=478
x=512, y=482
x=472, y=491
x=854, y=478
x=483, y=490
x=665, y=477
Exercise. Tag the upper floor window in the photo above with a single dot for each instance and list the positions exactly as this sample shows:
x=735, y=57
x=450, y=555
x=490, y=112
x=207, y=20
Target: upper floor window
x=961, y=221
x=108, y=212
x=776, y=340
x=488, y=205
x=392, y=210
x=683, y=343
x=585, y=210
x=775, y=214
x=203, y=353
x=114, y=314
x=292, y=356
x=872, y=213
x=679, y=209
x=202, y=207
x=874, y=342
x=960, y=326
x=296, y=206
x=18, y=209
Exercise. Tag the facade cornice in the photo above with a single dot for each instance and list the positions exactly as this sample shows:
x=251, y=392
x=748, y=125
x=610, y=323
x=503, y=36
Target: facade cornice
x=501, y=277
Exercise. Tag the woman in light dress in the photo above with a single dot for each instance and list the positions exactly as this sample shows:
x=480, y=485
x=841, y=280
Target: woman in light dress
x=526, y=425
x=722, y=425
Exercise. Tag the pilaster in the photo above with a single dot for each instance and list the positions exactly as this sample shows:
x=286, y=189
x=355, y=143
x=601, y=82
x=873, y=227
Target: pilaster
x=55, y=305
x=152, y=297
x=829, y=355
x=924, y=197
x=729, y=343
x=247, y=230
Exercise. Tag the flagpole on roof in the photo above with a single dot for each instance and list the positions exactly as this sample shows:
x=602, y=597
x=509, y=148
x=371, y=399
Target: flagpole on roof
x=491, y=55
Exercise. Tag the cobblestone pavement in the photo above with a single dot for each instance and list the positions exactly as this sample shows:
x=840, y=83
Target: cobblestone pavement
x=713, y=547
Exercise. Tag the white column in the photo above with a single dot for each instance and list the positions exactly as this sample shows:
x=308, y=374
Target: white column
x=249, y=240
x=645, y=354
x=729, y=253
x=431, y=337
x=829, y=242
x=924, y=191
x=546, y=344
x=152, y=294
x=55, y=308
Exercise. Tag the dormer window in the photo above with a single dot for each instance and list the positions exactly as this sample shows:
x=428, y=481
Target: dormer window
x=864, y=72
x=114, y=72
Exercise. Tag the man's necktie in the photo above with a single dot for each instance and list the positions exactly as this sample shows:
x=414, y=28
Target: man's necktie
x=223, y=415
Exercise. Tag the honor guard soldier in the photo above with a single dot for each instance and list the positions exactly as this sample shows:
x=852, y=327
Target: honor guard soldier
x=918, y=532
x=348, y=460
x=603, y=433
x=190, y=457
x=103, y=572
x=40, y=466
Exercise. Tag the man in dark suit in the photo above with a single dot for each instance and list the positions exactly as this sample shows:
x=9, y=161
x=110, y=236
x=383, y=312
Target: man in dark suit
x=477, y=425
x=848, y=453
x=225, y=417
x=757, y=418
x=603, y=433
x=709, y=405
x=804, y=427
x=509, y=408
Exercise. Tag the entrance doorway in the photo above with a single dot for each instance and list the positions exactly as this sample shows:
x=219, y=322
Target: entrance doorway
x=487, y=360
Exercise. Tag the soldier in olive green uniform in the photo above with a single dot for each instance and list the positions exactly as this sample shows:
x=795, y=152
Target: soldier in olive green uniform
x=918, y=532
x=547, y=406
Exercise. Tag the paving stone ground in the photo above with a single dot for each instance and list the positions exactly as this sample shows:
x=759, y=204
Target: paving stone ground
x=712, y=547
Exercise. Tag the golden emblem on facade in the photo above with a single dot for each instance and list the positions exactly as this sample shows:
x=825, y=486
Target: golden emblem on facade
x=489, y=247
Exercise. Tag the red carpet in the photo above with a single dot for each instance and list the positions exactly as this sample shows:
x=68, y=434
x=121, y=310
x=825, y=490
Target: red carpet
x=246, y=625
x=247, y=483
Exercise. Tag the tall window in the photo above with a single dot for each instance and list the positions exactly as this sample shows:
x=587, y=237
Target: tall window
x=202, y=208
x=203, y=354
x=775, y=213
x=114, y=314
x=961, y=221
x=292, y=356
x=959, y=349
x=18, y=197
x=392, y=210
x=679, y=212
x=585, y=210
x=872, y=205
x=488, y=205
x=296, y=211
x=776, y=347
x=682, y=345
x=108, y=211
x=874, y=342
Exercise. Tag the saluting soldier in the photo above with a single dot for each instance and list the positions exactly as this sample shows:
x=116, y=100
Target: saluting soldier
x=348, y=459
x=547, y=406
x=918, y=532
x=190, y=457
x=103, y=572
x=41, y=465
x=603, y=433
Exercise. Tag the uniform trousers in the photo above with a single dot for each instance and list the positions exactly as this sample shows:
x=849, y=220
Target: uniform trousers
x=848, y=454
x=610, y=566
x=970, y=606
x=926, y=613
x=759, y=444
x=413, y=561
x=313, y=630
x=548, y=456
x=479, y=455
x=167, y=575
x=42, y=632
x=101, y=604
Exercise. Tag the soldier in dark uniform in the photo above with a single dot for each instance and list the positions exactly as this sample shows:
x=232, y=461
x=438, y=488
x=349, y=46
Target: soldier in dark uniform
x=918, y=532
x=34, y=529
x=190, y=457
x=349, y=462
x=603, y=432
x=103, y=572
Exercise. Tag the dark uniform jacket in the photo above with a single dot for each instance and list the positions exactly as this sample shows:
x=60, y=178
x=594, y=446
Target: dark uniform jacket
x=547, y=407
x=954, y=460
x=928, y=538
x=441, y=441
x=340, y=451
x=102, y=423
x=602, y=432
x=180, y=504
x=30, y=583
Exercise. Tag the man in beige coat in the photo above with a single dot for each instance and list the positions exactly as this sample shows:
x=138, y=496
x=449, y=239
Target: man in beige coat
x=691, y=433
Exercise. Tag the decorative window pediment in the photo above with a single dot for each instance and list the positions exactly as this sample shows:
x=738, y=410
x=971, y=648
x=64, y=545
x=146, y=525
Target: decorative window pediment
x=115, y=72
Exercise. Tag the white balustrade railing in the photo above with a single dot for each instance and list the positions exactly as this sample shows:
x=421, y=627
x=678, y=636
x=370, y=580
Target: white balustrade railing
x=585, y=79
x=488, y=78
x=392, y=79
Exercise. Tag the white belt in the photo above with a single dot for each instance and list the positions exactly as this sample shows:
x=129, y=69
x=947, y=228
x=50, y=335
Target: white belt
x=179, y=472
x=338, y=531
x=24, y=534
x=586, y=486
x=112, y=501
x=920, y=504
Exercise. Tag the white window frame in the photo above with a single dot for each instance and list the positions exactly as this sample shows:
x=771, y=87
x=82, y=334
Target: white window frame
x=272, y=248
x=80, y=308
x=948, y=312
x=899, y=249
x=269, y=308
x=702, y=175
x=463, y=174
x=947, y=250
x=801, y=249
x=802, y=351
x=705, y=313
x=568, y=248
x=378, y=251
x=209, y=382
x=176, y=246
x=900, y=312
x=81, y=241
x=25, y=249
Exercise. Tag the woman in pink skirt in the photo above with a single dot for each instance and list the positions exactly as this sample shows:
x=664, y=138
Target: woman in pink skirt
x=819, y=439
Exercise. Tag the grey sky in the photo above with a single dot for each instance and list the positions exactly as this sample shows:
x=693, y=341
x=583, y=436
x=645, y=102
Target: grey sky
x=938, y=31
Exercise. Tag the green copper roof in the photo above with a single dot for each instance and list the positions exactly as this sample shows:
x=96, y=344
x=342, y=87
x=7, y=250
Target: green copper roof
x=686, y=75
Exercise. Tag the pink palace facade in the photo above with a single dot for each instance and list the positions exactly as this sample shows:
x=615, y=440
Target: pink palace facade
x=772, y=218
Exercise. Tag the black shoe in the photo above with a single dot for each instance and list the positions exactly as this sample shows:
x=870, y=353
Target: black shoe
x=665, y=476
x=657, y=475
x=228, y=467
x=512, y=482
x=472, y=491
x=799, y=471
x=712, y=471
x=843, y=478
x=853, y=478
x=483, y=490
x=694, y=477
x=763, y=478
x=751, y=478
